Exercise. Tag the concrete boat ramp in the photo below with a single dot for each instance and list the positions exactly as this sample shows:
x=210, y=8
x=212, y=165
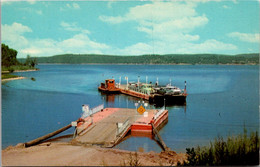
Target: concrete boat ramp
x=108, y=126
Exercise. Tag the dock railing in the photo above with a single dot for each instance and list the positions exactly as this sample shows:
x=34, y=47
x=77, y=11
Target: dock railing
x=92, y=111
x=96, y=109
x=121, y=127
x=147, y=92
x=158, y=113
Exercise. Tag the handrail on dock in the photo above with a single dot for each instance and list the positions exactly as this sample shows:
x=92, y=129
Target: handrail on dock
x=121, y=127
x=158, y=113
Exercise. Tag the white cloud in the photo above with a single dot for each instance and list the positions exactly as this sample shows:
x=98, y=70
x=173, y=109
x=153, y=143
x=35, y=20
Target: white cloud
x=73, y=6
x=226, y=7
x=160, y=20
x=8, y=2
x=208, y=46
x=156, y=12
x=109, y=3
x=31, y=1
x=112, y=20
x=31, y=10
x=136, y=49
x=206, y=1
x=164, y=47
x=73, y=27
x=169, y=27
x=68, y=6
x=13, y=34
x=81, y=42
x=246, y=37
x=15, y=37
x=39, y=12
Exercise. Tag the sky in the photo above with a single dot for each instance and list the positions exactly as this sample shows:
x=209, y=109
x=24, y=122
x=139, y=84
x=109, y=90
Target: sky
x=47, y=28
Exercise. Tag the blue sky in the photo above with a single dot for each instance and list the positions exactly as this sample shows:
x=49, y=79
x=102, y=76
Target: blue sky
x=47, y=28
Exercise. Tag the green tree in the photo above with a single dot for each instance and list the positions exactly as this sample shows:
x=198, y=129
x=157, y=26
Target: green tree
x=30, y=61
x=8, y=56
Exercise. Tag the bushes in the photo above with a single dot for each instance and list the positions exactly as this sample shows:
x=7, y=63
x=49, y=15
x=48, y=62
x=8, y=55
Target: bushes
x=7, y=76
x=240, y=150
x=8, y=56
x=17, y=68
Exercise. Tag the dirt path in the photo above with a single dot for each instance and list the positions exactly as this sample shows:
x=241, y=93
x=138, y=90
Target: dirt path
x=65, y=154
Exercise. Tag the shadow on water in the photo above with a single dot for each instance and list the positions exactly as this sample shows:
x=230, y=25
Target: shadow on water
x=113, y=99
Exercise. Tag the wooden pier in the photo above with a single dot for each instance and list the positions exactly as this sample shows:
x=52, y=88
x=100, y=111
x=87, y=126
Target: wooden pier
x=109, y=126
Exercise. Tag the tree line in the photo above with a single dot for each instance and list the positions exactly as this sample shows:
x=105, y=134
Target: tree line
x=9, y=59
x=152, y=59
x=10, y=62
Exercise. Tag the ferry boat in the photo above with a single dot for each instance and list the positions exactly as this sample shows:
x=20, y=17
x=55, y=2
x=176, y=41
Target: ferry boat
x=109, y=87
x=154, y=93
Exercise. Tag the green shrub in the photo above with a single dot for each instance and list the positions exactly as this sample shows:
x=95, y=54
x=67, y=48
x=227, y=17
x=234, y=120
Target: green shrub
x=240, y=150
x=7, y=76
x=11, y=69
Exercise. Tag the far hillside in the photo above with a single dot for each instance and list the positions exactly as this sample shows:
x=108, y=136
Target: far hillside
x=151, y=59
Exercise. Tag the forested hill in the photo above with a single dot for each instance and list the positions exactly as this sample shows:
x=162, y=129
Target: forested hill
x=152, y=59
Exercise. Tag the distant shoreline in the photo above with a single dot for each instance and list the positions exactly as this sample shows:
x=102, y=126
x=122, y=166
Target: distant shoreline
x=26, y=70
x=168, y=59
x=130, y=64
x=5, y=72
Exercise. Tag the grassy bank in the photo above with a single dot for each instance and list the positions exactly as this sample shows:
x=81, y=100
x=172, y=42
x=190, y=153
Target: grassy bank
x=8, y=76
x=240, y=150
x=18, y=68
x=7, y=71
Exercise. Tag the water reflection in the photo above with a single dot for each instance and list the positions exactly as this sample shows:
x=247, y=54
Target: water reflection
x=119, y=99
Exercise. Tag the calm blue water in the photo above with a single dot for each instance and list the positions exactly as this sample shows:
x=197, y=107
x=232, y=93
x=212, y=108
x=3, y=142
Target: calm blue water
x=222, y=101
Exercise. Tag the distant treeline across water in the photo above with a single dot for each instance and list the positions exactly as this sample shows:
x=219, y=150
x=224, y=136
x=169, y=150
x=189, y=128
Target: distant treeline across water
x=252, y=58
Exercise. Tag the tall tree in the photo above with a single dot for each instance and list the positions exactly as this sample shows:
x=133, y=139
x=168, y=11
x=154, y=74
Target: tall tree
x=30, y=61
x=8, y=56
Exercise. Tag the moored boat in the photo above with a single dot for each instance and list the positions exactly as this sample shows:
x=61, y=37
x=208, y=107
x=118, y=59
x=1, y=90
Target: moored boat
x=109, y=87
x=154, y=93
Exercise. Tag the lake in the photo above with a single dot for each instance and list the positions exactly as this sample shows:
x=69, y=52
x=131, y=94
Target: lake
x=222, y=100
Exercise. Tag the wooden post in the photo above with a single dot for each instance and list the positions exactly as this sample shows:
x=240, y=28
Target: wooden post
x=38, y=140
x=165, y=148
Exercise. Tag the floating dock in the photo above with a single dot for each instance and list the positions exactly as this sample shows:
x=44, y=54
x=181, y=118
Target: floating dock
x=110, y=125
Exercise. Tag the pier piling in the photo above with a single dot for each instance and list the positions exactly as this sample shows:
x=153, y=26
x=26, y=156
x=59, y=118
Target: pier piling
x=165, y=148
